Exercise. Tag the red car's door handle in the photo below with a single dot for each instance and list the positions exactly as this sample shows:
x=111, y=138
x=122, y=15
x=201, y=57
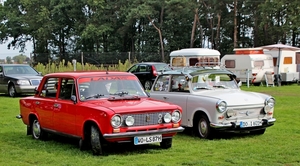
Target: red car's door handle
x=55, y=105
x=37, y=102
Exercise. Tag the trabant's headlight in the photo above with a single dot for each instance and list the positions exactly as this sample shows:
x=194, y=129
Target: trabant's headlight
x=116, y=121
x=167, y=118
x=221, y=106
x=129, y=121
x=269, y=104
x=270, y=101
x=176, y=116
x=23, y=82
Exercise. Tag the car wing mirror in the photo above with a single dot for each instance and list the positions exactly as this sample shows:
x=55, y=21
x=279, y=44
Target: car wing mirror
x=1, y=74
x=36, y=91
x=148, y=94
x=40, y=73
x=73, y=98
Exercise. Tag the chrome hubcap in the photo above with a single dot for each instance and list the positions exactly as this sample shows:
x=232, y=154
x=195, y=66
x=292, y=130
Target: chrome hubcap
x=36, y=129
x=11, y=91
x=147, y=85
x=203, y=128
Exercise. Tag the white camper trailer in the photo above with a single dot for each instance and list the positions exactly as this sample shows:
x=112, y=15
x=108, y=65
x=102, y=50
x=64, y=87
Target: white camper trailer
x=289, y=62
x=195, y=57
x=250, y=65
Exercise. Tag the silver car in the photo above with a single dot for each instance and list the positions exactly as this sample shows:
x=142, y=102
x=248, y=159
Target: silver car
x=18, y=79
x=212, y=101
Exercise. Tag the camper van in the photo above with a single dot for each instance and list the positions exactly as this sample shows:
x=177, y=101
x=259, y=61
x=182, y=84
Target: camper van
x=195, y=57
x=289, y=64
x=250, y=65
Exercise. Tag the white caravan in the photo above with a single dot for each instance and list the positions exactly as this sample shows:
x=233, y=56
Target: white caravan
x=289, y=62
x=195, y=57
x=250, y=65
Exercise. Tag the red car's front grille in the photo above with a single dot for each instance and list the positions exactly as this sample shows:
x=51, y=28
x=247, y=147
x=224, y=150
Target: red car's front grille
x=145, y=119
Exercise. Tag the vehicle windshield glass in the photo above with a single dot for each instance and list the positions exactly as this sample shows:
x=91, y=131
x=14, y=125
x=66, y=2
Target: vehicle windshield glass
x=209, y=81
x=160, y=67
x=104, y=87
x=23, y=70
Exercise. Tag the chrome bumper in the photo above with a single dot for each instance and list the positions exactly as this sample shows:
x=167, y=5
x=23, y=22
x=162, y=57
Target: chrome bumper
x=266, y=122
x=142, y=133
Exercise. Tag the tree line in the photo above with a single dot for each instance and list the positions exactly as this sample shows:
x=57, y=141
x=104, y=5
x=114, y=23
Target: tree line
x=150, y=30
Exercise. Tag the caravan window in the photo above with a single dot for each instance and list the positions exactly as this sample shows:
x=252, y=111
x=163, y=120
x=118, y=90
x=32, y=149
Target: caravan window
x=258, y=63
x=287, y=60
x=178, y=62
x=230, y=63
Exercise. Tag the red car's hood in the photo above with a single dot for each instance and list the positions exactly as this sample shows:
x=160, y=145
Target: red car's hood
x=235, y=97
x=121, y=106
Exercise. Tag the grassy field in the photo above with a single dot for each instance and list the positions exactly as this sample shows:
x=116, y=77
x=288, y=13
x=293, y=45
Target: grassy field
x=279, y=146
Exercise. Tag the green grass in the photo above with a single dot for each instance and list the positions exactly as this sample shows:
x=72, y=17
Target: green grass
x=279, y=146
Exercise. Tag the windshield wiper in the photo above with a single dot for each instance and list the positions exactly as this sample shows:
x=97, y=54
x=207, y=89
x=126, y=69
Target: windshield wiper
x=120, y=93
x=202, y=87
x=94, y=96
x=220, y=86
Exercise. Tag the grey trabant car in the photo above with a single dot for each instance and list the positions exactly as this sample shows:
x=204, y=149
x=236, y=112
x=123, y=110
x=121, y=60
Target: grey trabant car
x=18, y=79
x=212, y=101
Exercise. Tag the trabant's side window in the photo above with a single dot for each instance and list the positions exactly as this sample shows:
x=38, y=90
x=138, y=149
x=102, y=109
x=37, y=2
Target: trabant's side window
x=67, y=88
x=179, y=84
x=50, y=88
x=162, y=83
x=1, y=70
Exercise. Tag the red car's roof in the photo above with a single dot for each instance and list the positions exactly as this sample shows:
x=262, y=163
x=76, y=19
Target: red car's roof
x=77, y=74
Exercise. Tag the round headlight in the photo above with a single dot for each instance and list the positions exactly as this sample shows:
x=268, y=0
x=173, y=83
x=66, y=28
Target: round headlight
x=167, y=118
x=129, y=121
x=116, y=121
x=176, y=116
x=270, y=101
x=221, y=106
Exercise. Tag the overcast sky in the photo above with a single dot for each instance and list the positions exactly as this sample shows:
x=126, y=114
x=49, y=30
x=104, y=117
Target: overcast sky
x=4, y=52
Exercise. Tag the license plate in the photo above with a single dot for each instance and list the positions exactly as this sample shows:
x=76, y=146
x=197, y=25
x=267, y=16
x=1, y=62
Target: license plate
x=244, y=124
x=147, y=139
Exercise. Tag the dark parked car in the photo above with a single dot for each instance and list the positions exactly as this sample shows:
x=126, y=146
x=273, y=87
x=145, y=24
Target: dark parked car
x=147, y=72
x=18, y=79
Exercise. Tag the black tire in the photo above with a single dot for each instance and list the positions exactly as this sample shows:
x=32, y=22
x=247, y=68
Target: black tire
x=96, y=141
x=166, y=143
x=258, y=132
x=11, y=90
x=202, y=127
x=36, y=131
x=147, y=85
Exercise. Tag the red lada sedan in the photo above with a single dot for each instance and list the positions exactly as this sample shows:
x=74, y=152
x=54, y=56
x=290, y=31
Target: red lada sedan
x=99, y=107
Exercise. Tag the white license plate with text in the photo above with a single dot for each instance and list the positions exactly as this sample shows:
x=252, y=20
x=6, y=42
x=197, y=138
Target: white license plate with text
x=147, y=139
x=244, y=124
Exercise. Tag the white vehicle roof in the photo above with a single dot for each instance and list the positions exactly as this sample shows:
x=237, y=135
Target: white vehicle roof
x=195, y=52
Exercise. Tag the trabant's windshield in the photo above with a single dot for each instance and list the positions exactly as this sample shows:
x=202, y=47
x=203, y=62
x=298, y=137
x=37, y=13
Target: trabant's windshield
x=213, y=81
x=103, y=87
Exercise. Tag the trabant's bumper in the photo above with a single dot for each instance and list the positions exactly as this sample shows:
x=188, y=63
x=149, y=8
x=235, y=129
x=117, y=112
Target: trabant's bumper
x=141, y=133
x=233, y=125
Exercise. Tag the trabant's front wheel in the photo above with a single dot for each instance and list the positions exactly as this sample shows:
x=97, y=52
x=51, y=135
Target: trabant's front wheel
x=96, y=141
x=202, y=127
x=166, y=143
x=36, y=130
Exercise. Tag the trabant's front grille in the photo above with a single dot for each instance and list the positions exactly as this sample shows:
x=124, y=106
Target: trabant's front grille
x=35, y=82
x=145, y=119
x=246, y=113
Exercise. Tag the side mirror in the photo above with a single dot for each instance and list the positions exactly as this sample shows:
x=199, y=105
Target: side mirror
x=1, y=74
x=36, y=90
x=73, y=98
x=40, y=73
x=148, y=94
